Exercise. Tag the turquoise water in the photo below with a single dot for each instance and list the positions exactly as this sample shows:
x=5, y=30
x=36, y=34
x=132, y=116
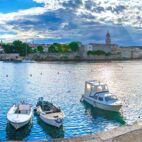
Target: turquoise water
x=63, y=84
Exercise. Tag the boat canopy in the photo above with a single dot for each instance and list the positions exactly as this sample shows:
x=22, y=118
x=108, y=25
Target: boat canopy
x=24, y=107
x=95, y=86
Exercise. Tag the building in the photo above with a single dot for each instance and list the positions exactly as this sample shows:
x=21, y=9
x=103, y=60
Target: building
x=106, y=47
x=108, y=40
x=136, y=53
x=45, y=47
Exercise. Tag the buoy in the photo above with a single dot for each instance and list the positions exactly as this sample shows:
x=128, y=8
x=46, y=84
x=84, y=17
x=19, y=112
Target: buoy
x=7, y=75
x=41, y=73
x=30, y=74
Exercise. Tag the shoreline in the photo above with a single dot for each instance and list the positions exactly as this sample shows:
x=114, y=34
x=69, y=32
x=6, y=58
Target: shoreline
x=82, y=60
x=75, y=61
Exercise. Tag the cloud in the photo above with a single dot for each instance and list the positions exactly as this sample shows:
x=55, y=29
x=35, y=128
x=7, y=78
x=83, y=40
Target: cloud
x=84, y=20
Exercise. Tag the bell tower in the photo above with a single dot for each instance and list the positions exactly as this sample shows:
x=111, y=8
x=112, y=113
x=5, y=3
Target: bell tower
x=108, y=39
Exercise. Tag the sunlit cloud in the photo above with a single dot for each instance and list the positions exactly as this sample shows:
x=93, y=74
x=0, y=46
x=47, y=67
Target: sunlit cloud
x=72, y=19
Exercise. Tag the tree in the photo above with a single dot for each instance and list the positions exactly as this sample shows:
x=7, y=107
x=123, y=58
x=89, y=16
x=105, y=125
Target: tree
x=74, y=46
x=21, y=48
x=40, y=49
x=55, y=48
x=8, y=48
x=17, y=47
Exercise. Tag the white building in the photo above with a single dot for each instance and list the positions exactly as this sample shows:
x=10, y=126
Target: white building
x=136, y=53
x=45, y=49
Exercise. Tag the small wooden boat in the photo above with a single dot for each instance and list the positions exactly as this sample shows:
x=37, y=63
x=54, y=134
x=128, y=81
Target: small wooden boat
x=20, y=115
x=97, y=94
x=49, y=113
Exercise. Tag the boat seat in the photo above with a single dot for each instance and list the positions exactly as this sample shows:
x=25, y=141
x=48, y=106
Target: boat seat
x=50, y=111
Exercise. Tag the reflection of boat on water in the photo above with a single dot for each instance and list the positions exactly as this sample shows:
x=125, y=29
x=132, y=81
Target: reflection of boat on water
x=109, y=115
x=13, y=134
x=54, y=132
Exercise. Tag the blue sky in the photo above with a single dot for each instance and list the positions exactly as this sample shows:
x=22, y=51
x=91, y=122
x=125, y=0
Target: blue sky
x=7, y=6
x=47, y=21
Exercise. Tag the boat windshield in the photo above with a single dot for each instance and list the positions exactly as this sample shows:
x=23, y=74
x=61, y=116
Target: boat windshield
x=111, y=98
x=23, y=109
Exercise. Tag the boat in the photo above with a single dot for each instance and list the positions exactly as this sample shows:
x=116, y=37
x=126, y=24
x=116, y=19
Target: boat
x=49, y=113
x=27, y=61
x=20, y=115
x=13, y=60
x=97, y=94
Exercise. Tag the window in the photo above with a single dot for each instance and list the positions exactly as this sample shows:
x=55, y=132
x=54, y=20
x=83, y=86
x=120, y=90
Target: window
x=111, y=98
x=99, y=89
x=95, y=97
x=88, y=87
x=100, y=98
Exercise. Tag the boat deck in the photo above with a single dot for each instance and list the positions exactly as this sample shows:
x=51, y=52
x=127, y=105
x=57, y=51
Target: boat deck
x=54, y=115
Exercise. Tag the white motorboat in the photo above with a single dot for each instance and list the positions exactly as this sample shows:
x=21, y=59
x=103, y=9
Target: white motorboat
x=20, y=115
x=49, y=113
x=97, y=94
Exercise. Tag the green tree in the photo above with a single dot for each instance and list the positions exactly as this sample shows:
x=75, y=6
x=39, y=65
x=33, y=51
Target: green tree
x=17, y=47
x=55, y=48
x=8, y=48
x=40, y=49
x=74, y=46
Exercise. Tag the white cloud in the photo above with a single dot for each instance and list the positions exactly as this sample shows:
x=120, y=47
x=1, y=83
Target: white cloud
x=75, y=17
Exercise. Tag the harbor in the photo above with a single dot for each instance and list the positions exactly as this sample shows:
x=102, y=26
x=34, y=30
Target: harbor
x=63, y=84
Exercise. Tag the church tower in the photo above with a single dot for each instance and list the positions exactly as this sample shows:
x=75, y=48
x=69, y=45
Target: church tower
x=108, y=39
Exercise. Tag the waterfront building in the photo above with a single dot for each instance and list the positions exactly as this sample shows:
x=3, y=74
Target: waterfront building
x=108, y=40
x=45, y=50
x=136, y=53
x=45, y=47
x=106, y=47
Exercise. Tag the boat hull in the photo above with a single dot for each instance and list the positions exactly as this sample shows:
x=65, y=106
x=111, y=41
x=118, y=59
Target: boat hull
x=114, y=108
x=53, y=122
x=19, y=125
x=18, y=120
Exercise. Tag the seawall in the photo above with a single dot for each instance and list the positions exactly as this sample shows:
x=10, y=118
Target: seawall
x=75, y=57
x=128, y=133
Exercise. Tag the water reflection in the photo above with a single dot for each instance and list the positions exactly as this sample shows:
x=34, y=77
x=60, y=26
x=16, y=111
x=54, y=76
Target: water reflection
x=96, y=112
x=50, y=130
x=20, y=134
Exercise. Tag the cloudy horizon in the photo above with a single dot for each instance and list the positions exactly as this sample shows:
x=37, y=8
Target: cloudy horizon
x=47, y=21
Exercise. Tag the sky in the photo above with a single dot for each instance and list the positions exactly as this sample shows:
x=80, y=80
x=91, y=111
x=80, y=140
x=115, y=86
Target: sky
x=87, y=21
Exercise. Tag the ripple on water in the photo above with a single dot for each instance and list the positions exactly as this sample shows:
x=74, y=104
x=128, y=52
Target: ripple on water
x=65, y=89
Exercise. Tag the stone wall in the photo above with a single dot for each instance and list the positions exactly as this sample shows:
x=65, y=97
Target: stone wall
x=129, y=133
x=54, y=56
x=11, y=56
